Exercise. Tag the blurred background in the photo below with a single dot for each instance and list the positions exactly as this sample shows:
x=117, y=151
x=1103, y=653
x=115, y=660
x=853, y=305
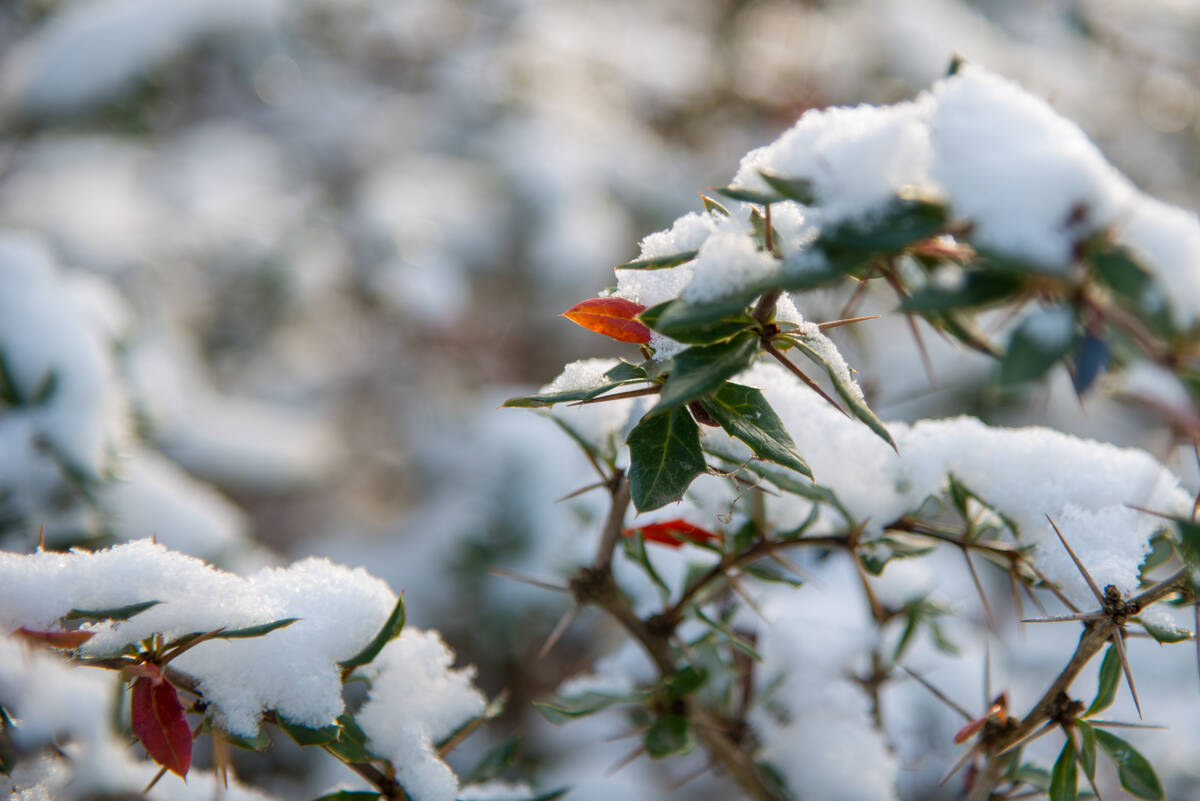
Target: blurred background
x=278, y=263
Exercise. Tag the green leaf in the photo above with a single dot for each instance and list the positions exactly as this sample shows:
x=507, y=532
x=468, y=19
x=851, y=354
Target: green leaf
x=604, y=453
x=1033, y=775
x=351, y=743
x=306, y=735
x=977, y=288
x=1134, y=770
x=113, y=613
x=747, y=195
x=712, y=206
x=701, y=369
x=680, y=318
x=735, y=639
x=701, y=333
x=1164, y=633
x=560, y=710
x=901, y=223
x=1087, y=748
x=659, y=262
x=1039, y=341
x=635, y=548
x=46, y=388
x=494, y=762
x=551, y=398
x=846, y=391
x=664, y=455
x=624, y=371
x=258, y=742
x=255, y=631
x=1189, y=540
x=669, y=735
x=685, y=681
x=744, y=413
x=350, y=795
x=1063, y=781
x=1110, y=679
x=766, y=570
x=390, y=630
x=797, y=189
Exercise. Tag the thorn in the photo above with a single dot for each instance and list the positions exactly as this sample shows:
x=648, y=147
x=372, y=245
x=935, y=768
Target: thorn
x=1117, y=724
x=1016, y=594
x=939, y=694
x=1119, y=641
x=1083, y=570
x=641, y=749
x=859, y=290
x=162, y=771
x=1050, y=585
x=633, y=393
x=545, y=585
x=796, y=371
x=957, y=766
x=987, y=673
x=845, y=321
x=1081, y=617
x=560, y=628
x=1033, y=735
x=925, y=360
x=987, y=607
x=581, y=490
x=41, y=538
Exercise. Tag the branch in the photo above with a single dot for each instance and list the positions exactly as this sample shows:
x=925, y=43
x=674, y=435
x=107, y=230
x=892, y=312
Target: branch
x=618, y=488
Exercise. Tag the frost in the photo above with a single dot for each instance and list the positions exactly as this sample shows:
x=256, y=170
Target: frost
x=688, y=233
x=582, y=374
x=728, y=261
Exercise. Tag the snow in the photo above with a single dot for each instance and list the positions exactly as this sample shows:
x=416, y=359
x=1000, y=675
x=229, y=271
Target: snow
x=292, y=670
x=688, y=233
x=582, y=374
x=728, y=261
x=1025, y=474
x=416, y=700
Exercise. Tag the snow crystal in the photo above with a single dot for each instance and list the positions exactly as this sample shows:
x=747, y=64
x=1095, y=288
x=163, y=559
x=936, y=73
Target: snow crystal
x=688, y=233
x=1030, y=181
x=857, y=159
x=415, y=701
x=582, y=374
x=728, y=261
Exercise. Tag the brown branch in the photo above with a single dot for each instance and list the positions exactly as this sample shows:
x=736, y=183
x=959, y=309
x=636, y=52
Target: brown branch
x=618, y=488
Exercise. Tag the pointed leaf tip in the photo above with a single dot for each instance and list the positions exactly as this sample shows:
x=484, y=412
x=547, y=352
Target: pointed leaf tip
x=612, y=317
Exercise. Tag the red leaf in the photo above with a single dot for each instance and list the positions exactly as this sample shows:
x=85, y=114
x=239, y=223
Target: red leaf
x=159, y=722
x=613, y=317
x=674, y=533
x=66, y=640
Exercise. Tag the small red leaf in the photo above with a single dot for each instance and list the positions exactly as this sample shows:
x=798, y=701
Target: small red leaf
x=674, y=533
x=159, y=722
x=66, y=640
x=613, y=317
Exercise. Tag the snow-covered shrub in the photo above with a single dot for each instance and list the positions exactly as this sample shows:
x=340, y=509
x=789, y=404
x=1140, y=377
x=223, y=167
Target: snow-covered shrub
x=786, y=572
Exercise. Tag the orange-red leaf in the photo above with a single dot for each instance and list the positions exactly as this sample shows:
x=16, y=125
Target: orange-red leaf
x=613, y=317
x=674, y=533
x=66, y=640
x=159, y=722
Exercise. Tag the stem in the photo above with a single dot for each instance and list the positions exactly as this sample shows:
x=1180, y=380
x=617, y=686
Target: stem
x=618, y=488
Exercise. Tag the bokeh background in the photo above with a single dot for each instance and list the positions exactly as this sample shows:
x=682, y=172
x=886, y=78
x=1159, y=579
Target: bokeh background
x=315, y=243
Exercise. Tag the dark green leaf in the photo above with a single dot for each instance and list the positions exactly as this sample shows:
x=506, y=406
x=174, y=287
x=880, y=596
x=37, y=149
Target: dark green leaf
x=669, y=735
x=735, y=639
x=1189, y=540
x=797, y=189
x=1135, y=772
x=901, y=223
x=350, y=795
x=1164, y=634
x=701, y=333
x=390, y=630
x=744, y=413
x=658, y=262
x=1120, y=271
x=624, y=371
x=256, y=631
x=963, y=328
x=701, y=369
x=846, y=391
x=1063, y=781
x=1033, y=775
x=911, y=618
x=1110, y=679
x=114, y=613
x=258, y=742
x=686, y=681
x=747, y=195
x=551, y=398
x=351, y=744
x=1087, y=748
x=494, y=762
x=1031, y=352
x=560, y=710
x=46, y=389
x=306, y=735
x=976, y=289
x=680, y=318
x=1091, y=357
x=766, y=570
x=664, y=455
x=635, y=548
